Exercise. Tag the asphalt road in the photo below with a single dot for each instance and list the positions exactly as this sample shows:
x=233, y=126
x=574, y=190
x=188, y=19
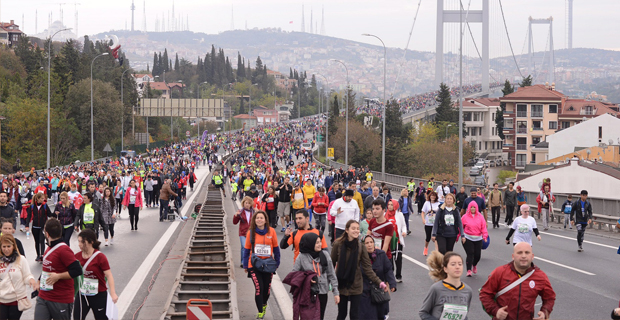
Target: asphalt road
x=581, y=280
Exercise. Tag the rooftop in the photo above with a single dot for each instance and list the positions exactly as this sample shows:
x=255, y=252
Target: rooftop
x=577, y=108
x=534, y=92
x=245, y=117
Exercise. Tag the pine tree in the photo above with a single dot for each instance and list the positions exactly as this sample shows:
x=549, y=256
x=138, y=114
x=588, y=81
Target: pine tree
x=258, y=70
x=155, y=65
x=334, y=113
x=291, y=75
x=499, y=116
x=527, y=81
x=445, y=110
x=165, y=61
x=240, y=68
x=176, y=62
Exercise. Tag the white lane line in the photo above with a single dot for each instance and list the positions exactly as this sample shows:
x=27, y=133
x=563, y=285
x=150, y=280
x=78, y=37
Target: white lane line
x=132, y=287
x=569, y=238
x=565, y=266
x=590, y=242
x=415, y=261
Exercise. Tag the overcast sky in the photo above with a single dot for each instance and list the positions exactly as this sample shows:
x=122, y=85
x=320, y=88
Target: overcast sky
x=596, y=23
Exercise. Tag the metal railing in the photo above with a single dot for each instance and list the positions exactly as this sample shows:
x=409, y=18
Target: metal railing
x=522, y=130
x=521, y=147
x=522, y=114
x=537, y=114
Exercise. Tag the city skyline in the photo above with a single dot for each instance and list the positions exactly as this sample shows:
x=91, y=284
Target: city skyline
x=343, y=19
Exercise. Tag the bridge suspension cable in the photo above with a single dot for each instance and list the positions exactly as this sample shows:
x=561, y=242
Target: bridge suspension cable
x=508, y=35
x=415, y=18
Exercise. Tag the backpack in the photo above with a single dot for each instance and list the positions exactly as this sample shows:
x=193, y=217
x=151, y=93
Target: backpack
x=295, y=233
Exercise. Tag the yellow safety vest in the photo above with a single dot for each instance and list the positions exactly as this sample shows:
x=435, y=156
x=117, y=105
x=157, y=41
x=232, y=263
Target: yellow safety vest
x=218, y=180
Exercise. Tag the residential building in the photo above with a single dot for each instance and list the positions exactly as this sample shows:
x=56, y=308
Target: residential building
x=166, y=88
x=536, y=112
x=141, y=79
x=282, y=81
x=608, y=154
x=481, y=131
x=284, y=112
x=264, y=115
x=9, y=33
x=246, y=120
x=599, y=131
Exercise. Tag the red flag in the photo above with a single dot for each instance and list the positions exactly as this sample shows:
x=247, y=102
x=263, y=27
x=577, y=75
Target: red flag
x=290, y=22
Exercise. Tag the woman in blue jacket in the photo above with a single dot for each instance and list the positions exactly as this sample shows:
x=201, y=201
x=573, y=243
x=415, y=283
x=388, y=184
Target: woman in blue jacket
x=383, y=269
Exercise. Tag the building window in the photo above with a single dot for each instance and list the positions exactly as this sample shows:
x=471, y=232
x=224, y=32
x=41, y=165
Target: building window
x=537, y=110
x=600, y=132
x=466, y=116
x=553, y=125
x=535, y=140
x=522, y=110
x=588, y=110
x=565, y=124
x=522, y=127
x=479, y=145
x=486, y=145
x=508, y=123
x=537, y=125
x=521, y=160
x=480, y=131
x=553, y=108
x=522, y=143
x=533, y=158
x=492, y=131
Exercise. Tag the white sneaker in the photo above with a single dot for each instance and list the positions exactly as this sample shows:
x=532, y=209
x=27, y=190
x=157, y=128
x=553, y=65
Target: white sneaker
x=107, y=243
x=112, y=241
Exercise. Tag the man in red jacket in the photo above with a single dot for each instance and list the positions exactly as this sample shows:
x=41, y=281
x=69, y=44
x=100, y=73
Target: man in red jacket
x=511, y=290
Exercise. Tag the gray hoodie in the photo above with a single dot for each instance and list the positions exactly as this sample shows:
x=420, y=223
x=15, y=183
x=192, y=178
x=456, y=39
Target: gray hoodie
x=328, y=276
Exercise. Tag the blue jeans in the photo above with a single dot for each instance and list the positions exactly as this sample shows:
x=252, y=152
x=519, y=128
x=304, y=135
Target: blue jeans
x=242, y=239
x=407, y=219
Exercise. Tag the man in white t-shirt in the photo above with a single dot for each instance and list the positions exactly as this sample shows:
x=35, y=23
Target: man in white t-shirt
x=442, y=191
x=344, y=209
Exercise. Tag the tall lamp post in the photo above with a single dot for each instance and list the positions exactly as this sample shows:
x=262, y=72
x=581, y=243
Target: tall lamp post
x=92, y=126
x=250, y=103
x=327, y=122
x=384, y=101
x=49, y=72
x=346, y=111
x=199, y=118
x=448, y=126
x=123, y=113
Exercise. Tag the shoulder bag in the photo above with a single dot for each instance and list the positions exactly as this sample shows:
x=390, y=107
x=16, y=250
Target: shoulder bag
x=378, y=295
x=268, y=265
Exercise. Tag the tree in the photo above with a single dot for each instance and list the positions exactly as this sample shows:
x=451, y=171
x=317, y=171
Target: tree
x=166, y=66
x=527, y=81
x=176, y=62
x=334, y=114
x=445, y=110
x=499, y=116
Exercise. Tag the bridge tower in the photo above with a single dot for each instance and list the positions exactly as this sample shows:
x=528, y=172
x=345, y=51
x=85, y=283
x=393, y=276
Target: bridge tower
x=458, y=16
x=530, y=52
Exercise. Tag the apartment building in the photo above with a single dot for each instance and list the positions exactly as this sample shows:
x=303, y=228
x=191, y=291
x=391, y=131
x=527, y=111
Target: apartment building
x=480, y=129
x=536, y=112
x=9, y=33
x=264, y=115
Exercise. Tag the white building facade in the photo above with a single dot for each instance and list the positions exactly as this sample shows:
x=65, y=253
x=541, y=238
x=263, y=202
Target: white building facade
x=481, y=131
x=593, y=132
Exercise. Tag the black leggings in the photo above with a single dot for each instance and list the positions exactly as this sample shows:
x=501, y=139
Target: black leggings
x=509, y=213
x=323, y=302
x=273, y=218
x=262, y=284
x=12, y=312
x=106, y=228
x=134, y=216
x=445, y=244
x=429, y=231
x=39, y=240
x=355, y=307
x=397, y=261
x=420, y=206
x=473, y=250
x=66, y=235
x=119, y=205
x=97, y=303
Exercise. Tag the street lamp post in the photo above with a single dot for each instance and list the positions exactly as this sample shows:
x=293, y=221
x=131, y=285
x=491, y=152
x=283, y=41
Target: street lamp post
x=92, y=126
x=250, y=103
x=49, y=72
x=384, y=101
x=199, y=118
x=327, y=122
x=123, y=113
x=346, y=111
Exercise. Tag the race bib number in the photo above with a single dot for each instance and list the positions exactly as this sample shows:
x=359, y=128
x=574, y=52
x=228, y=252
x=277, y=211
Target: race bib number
x=43, y=284
x=269, y=199
x=89, y=287
x=523, y=228
x=453, y=312
x=299, y=196
x=262, y=250
x=132, y=199
x=449, y=219
x=430, y=219
x=378, y=243
x=89, y=217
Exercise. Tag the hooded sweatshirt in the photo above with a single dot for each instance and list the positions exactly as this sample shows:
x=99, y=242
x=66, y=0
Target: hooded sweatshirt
x=306, y=262
x=474, y=225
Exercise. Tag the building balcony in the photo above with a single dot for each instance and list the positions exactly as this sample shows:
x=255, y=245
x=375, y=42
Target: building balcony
x=522, y=147
x=520, y=164
x=521, y=130
x=521, y=114
x=536, y=114
x=537, y=128
x=510, y=112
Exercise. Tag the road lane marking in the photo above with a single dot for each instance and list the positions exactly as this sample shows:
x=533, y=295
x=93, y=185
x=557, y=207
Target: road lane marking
x=565, y=266
x=129, y=292
x=569, y=238
x=415, y=261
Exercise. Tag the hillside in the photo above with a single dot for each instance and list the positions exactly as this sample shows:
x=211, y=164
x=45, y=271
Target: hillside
x=576, y=70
